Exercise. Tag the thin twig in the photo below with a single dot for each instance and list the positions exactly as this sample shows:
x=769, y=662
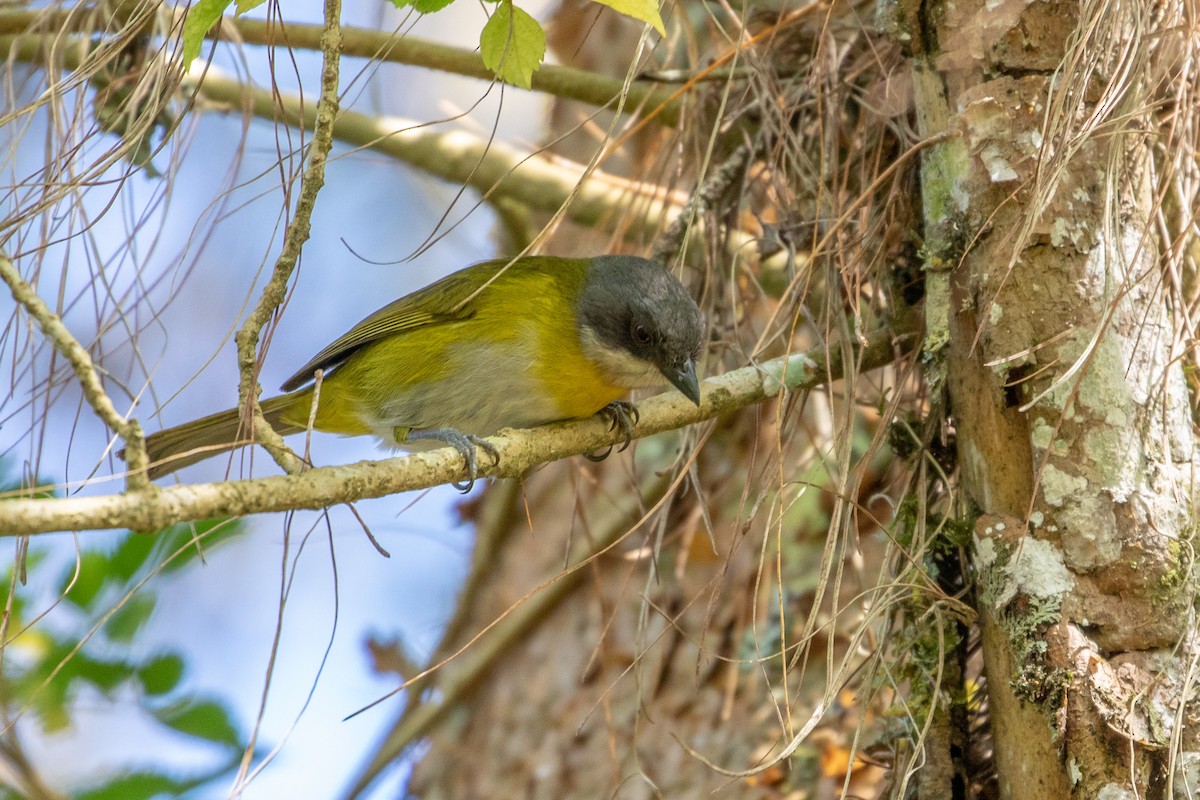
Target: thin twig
x=707, y=193
x=297, y=234
x=85, y=372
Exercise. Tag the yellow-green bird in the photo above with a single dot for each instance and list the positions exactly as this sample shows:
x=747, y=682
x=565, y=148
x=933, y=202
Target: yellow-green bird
x=498, y=344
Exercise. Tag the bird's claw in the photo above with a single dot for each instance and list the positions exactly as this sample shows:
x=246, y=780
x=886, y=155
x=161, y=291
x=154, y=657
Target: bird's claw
x=471, y=461
x=621, y=414
x=465, y=444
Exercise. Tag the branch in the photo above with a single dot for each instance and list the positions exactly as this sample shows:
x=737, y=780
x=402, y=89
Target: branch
x=542, y=183
x=297, y=234
x=85, y=371
x=701, y=200
x=499, y=172
x=519, y=451
x=641, y=99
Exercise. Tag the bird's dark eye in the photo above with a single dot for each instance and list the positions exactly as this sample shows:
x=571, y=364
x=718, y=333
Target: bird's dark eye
x=641, y=335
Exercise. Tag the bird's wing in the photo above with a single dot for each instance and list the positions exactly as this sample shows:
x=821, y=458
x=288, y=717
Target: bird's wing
x=446, y=300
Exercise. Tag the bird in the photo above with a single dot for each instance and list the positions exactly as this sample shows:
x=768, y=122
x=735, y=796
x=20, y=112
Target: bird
x=507, y=343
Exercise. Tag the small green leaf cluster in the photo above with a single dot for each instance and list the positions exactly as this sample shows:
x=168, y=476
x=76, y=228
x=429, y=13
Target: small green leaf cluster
x=512, y=44
x=201, y=16
x=104, y=603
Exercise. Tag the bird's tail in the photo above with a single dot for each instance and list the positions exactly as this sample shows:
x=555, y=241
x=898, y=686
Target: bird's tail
x=206, y=437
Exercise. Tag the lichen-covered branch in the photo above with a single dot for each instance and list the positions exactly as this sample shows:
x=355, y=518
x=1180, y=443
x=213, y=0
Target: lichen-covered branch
x=519, y=450
x=85, y=370
x=640, y=99
x=701, y=200
x=496, y=170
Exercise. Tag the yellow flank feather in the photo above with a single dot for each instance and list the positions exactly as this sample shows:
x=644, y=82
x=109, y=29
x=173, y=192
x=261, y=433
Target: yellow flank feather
x=502, y=367
x=336, y=410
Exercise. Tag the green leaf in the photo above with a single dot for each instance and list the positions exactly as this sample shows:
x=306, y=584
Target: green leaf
x=204, y=719
x=162, y=674
x=51, y=697
x=131, y=554
x=645, y=10
x=513, y=45
x=125, y=623
x=248, y=5
x=93, y=569
x=104, y=675
x=200, y=537
x=137, y=786
x=422, y=6
x=200, y=18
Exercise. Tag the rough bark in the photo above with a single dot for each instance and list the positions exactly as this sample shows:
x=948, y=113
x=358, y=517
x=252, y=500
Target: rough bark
x=1074, y=429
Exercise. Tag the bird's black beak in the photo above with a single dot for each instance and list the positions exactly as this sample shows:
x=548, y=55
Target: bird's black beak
x=684, y=379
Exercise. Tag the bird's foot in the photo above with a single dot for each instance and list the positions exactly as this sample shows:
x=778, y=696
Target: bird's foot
x=621, y=414
x=465, y=444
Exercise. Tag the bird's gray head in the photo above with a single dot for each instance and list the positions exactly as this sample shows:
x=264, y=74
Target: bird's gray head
x=639, y=324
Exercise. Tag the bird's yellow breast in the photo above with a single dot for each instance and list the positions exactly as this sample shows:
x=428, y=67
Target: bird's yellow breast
x=558, y=365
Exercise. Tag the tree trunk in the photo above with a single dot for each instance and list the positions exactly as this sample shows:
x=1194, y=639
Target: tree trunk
x=1066, y=389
